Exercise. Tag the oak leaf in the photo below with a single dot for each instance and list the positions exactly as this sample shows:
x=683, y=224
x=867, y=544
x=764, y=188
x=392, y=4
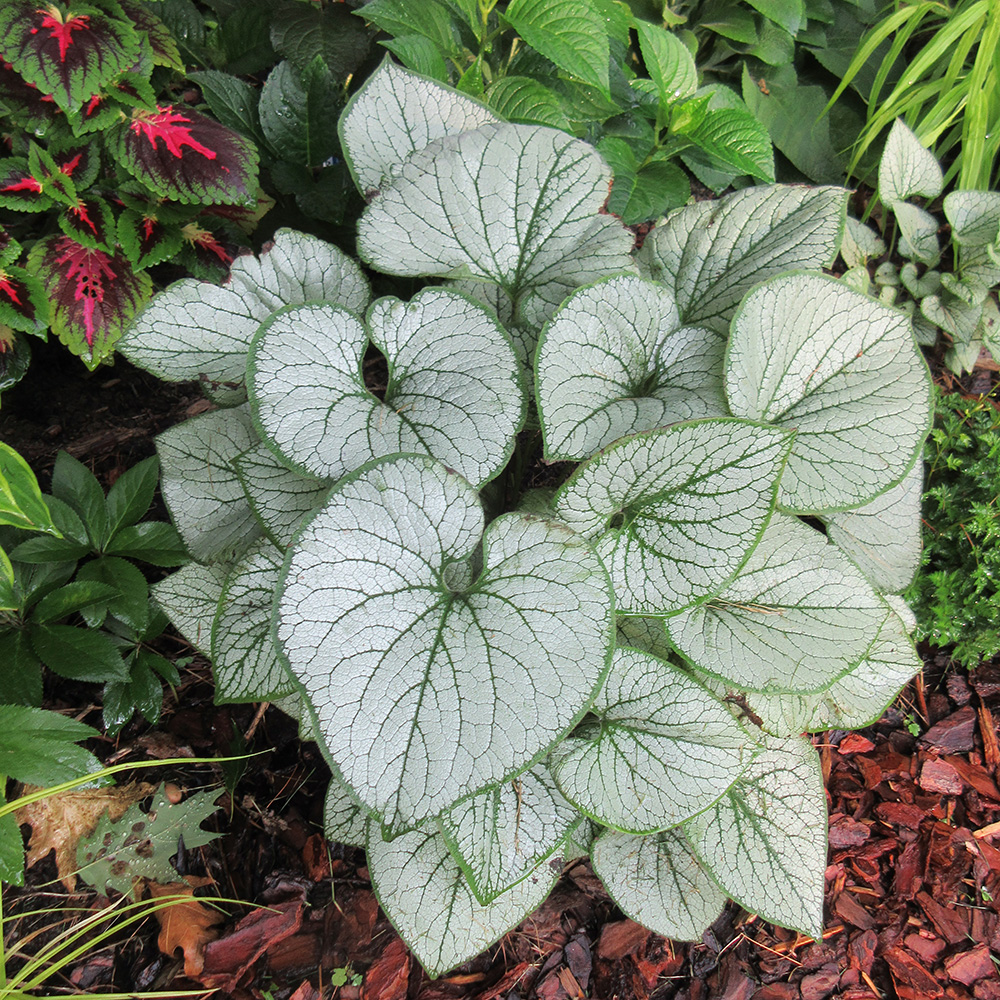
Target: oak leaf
x=187, y=923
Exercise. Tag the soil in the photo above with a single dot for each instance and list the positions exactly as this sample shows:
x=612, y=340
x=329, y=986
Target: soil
x=912, y=882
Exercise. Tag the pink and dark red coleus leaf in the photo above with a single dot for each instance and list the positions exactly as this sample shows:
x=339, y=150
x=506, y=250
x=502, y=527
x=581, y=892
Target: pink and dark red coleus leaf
x=90, y=223
x=10, y=249
x=19, y=189
x=207, y=254
x=54, y=182
x=146, y=239
x=15, y=357
x=68, y=51
x=183, y=155
x=23, y=303
x=149, y=26
x=93, y=294
x=28, y=106
x=80, y=162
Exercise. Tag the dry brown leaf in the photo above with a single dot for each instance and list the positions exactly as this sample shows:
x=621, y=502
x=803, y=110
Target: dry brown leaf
x=59, y=821
x=188, y=925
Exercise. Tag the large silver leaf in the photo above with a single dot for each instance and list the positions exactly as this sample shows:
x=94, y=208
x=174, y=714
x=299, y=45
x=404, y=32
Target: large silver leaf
x=615, y=360
x=694, y=499
x=245, y=664
x=280, y=498
x=797, y=616
x=430, y=679
x=842, y=371
x=658, y=882
x=502, y=835
x=663, y=749
x=422, y=891
x=907, y=169
x=764, y=842
x=883, y=535
x=713, y=252
x=854, y=700
x=189, y=597
x=395, y=113
x=197, y=330
x=200, y=486
x=344, y=820
x=454, y=385
x=505, y=203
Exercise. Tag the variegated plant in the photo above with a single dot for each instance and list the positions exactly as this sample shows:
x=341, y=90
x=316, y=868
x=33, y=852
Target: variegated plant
x=621, y=664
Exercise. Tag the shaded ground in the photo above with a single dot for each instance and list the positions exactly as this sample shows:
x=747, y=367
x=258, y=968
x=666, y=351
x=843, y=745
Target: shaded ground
x=914, y=866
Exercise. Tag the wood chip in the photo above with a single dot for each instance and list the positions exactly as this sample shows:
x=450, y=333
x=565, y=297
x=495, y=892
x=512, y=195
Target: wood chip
x=389, y=976
x=988, y=729
x=908, y=972
x=952, y=925
x=854, y=743
x=955, y=733
x=625, y=937
x=968, y=967
x=848, y=832
x=939, y=777
x=852, y=912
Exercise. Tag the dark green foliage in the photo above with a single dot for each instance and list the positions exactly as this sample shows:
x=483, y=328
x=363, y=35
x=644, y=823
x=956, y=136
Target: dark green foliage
x=955, y=595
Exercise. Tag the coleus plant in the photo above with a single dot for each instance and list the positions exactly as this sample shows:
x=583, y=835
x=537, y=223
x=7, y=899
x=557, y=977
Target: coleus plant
x=125, y=180
x=620, y=661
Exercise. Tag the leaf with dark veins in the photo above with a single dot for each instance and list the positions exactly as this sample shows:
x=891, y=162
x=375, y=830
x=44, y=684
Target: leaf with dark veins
x=91, y=223
x=185, y=156
x=18, y=189
x=94, y=294
x=67, y=54
x=23, y=302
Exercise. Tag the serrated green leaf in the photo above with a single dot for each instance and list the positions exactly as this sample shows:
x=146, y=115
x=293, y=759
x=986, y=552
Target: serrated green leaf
x=567, y=32
x=300, y=32
x=454, y=387
x=654, y=189
x=154, y=542
x=129, y=603
x=764, y=842
x=734, y=139
x=712, y=253
x=669, y=64
x=797, y=616
x=190, y=598
x=78, y=653
x=40, y=747
x=199, y=486
x=231, y=100
x=658, y=882
x=298, y=112
x=907, y=169
x=843, y=372
x=422, y=891
x=245, y=664
x=387, y=622
x=76, y=596
x=788, y=14
x=395, y=113
x=420, y=54
x=77, y=486
x=11, y=848
x=280, y=498
x=20, y=669
x=429, y=19
x=196, y=330
x=141, y=844
x=21, y=503
x=693, y=499
x=883, y=535
x=522, y=99
x=665, y=749
x=501, y=836
x=615, y=360
x=131, y=494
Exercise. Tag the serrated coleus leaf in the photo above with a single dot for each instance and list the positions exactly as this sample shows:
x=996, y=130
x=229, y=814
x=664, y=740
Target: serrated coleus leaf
x=401, y=642
x=245, y=664
x=675, y=512
x=24, y=304
x=145, y=239
x=31, y=108
x=844, y=373
x=538, y=190
x=854, y=700
x=662, y=750
x=615, y=360
x=502, y=835
x=764, y=841
x=200, y=486
x=68, y=54
x=90, y=223
x=907, y=169
x=54, y=183
x=196, y=330
x=796, y=617
x=155, y=33
x=93, y=295
x=422, y=891
x=883, y=535
x=280, y=498
x=659, y=882
x=19, y=190
x=10, y=249
x=190, y=598
x=395, y=113
x=185, y=156
x=713, y=252
x=454, y=387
